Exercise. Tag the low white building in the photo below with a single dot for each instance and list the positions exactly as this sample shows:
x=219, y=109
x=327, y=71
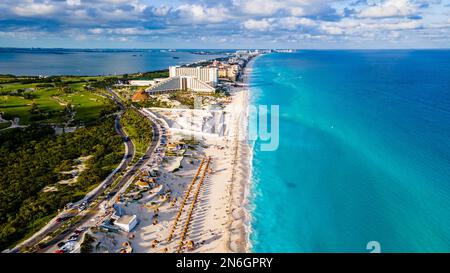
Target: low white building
x=141, y=82
x=126, y=222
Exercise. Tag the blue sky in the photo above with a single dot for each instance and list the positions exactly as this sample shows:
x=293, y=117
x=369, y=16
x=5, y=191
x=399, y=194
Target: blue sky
x=225, y=24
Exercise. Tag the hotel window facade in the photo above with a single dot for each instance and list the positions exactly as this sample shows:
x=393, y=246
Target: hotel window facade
x=205, y=74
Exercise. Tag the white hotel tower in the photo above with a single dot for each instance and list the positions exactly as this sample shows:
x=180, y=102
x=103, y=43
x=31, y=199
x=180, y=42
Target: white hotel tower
x=197, y=79
x=205, y=74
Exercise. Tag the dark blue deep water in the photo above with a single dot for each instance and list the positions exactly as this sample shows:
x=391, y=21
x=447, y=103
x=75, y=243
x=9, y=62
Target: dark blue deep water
x=364, y=152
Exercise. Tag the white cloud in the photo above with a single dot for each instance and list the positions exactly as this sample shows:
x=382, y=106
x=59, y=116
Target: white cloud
x=73, y=2
x=398, y=26
x=333, y=30
x=291, y=7
x=34, y=9
x=258, y=7
x=120, y=31
x=131, y=31
x=234, y=22
x=389, y=8
x=200, y=14
x=369, y=28
x=292, y=23
x=96, y=30
x=258, y=25
x=161, y=11
x=115, y=1
x=284, y=23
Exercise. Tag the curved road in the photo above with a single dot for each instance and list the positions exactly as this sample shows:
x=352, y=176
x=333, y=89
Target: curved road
x=121, y=185
x=86, y=215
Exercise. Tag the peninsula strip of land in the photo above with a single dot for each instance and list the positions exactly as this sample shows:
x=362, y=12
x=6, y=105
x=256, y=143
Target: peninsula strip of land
x=185, y=185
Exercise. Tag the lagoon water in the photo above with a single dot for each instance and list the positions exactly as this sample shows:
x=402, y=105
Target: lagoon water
x=91, y=62
x=364, y=152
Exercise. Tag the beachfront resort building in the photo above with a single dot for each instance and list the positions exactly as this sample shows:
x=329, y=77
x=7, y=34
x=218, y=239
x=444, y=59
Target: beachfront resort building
x=196, y=79
x=208, y=75
x=180, y=83
x=225, y=70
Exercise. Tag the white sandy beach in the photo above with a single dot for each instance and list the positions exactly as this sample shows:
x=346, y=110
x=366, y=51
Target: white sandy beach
x=219, y=221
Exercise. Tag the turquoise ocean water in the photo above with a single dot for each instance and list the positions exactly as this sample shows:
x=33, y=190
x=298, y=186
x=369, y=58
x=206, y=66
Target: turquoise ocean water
x=364, y=152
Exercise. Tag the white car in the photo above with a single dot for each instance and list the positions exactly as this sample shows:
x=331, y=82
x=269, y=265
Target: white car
x=69, y=246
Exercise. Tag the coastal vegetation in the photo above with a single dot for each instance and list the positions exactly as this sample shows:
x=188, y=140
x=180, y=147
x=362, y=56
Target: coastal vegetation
x=86, y=245
x=4, y=125
x=148, y=75
x=152, y=102
x=41, y=171
x=34, y=159
x=186, y=98
x=139, y=129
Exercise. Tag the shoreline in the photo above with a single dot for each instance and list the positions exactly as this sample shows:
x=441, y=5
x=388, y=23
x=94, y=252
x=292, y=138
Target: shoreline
x=222, y=220
x=239, y=226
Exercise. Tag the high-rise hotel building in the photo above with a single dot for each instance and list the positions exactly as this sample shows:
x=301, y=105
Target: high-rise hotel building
x=205, y=74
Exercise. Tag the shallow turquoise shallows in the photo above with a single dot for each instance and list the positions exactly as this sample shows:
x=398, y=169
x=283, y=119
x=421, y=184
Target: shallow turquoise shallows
x=364, y=152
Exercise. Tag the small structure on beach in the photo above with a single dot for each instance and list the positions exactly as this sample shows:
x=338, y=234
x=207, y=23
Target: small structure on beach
x=123, y=221
x=126, y=222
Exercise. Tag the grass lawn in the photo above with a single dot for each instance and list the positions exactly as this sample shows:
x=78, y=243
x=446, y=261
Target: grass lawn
x=13, y=106
x=8, y=87
x=88, y=105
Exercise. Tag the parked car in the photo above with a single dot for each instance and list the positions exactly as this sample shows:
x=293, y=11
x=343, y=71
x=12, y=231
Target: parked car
x=60, y=251
x=68, y=247
x=61, y=244
x=81, y=208
x=62, y=219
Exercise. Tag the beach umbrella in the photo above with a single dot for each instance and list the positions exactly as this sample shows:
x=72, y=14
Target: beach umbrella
x=190, y=245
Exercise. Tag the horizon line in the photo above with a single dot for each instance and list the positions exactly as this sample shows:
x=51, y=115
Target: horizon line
x=275, y=48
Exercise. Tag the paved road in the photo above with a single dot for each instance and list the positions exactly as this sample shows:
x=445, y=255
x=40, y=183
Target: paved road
x=128, y=157
x=121, y=185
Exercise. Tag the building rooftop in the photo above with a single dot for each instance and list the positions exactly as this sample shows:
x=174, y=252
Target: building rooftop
x=125, y=219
